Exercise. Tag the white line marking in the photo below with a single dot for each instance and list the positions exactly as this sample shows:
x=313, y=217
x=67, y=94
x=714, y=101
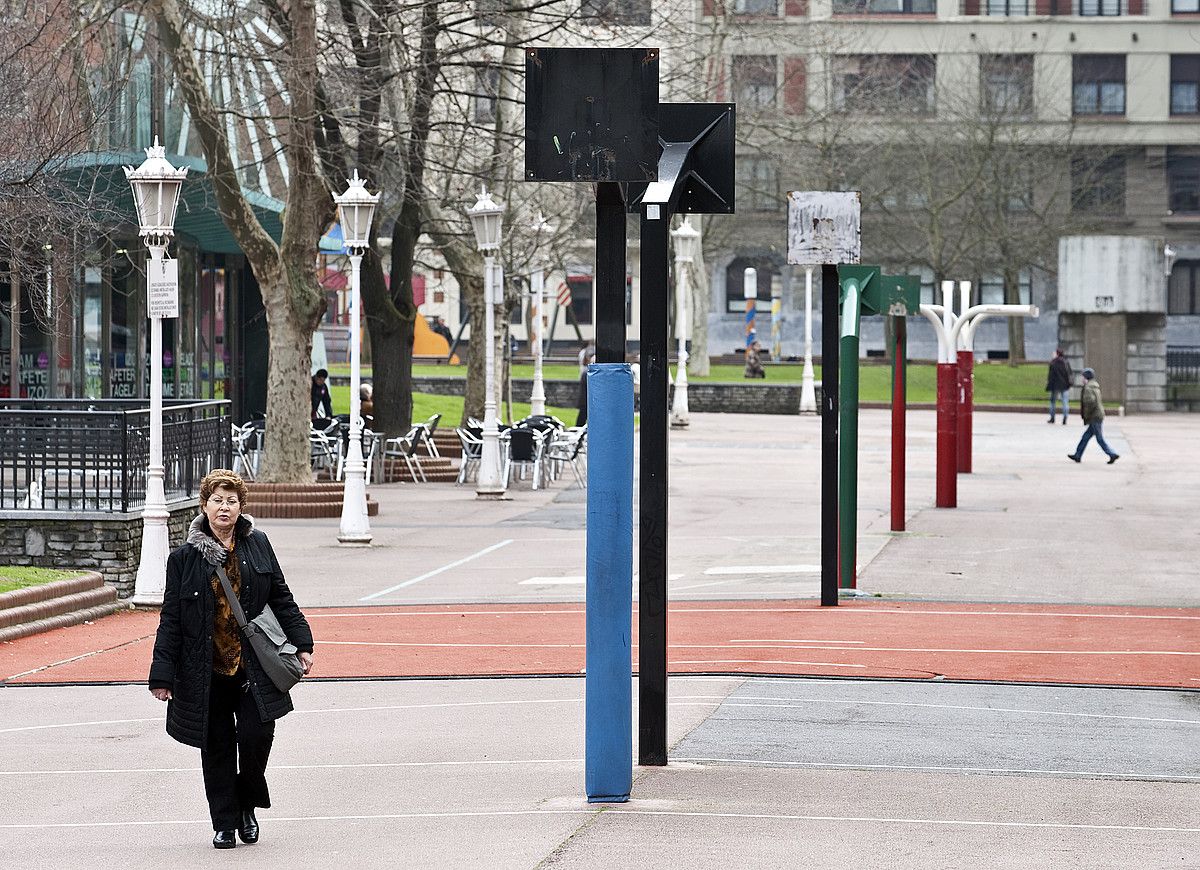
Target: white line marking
x=610, y=810
x=78, y=724
x=681, y=611
x=349, y=766
x=992, y=770
x=794, y=640
x=763, y=662
x=763, y=569
x=553, y=581
x=453, y=645
x=436, y=571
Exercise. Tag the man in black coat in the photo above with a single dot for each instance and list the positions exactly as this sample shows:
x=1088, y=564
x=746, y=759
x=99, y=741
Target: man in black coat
x=1058, y=383
x=218, y=697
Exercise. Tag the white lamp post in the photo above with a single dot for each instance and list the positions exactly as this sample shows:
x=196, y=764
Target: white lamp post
x=808, y=391
x=356, y=208
x=687, y=239
x=156, y=185
x=537, y=286
x=485, y=220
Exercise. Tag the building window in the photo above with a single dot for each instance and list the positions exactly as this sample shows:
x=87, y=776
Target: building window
x=1098, y=185
x=581, y=297
x=757, y=184
x=1185, y=84
x=884, y=7
x=1006, y=84
x=1099, y=84
x=756, y=7
x=878, y=84
x=1185, y=5
x=487, y=86
x=1183, y=181
x=1099, y=7
x=991, y=289
x=1007, y=7
x=490, y=11
x=616, y=11
x=754, y=80
x=735, y=292
x=1182, y=297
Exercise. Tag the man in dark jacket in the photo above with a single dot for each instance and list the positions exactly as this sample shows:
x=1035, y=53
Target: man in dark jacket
x=1091, y=408
x=219, y=698
x=1058, y=383
x=322, y=404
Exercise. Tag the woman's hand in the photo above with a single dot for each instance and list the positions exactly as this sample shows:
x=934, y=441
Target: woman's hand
x=162, y=694
x=306, y=660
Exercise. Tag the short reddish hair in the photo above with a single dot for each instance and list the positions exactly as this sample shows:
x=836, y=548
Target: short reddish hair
x=223, y=478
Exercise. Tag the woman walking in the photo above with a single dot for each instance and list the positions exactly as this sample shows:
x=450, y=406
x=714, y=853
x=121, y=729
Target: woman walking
x=218, y=697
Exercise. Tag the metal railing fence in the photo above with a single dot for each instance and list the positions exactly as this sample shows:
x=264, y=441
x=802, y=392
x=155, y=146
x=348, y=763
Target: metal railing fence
x=91, y=455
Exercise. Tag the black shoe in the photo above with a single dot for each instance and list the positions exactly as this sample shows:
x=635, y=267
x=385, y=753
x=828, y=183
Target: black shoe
x=224, y=840
x=249, y=827
x=1064, y=421
x=1051, y=420
x=1073, y=456
x=1114, y=458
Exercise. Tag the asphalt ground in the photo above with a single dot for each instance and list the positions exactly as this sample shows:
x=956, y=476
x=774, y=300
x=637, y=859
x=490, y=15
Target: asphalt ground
x=765, y=772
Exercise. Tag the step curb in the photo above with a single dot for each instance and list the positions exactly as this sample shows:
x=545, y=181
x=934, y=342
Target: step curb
x=56, y=589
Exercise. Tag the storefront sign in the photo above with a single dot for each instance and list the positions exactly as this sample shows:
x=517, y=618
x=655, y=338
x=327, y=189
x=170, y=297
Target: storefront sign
x=162, y=288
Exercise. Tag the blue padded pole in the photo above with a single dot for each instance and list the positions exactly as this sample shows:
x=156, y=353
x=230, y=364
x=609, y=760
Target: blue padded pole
x=608, y=689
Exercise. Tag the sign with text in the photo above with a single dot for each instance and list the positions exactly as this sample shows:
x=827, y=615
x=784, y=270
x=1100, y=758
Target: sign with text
x=162, y=288
x=824, y=228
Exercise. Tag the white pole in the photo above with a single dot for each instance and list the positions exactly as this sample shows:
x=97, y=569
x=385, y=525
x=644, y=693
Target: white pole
x=808, y=390
x=964, y=296
x=355, y=527
x=679, y=404
x=489, y=484
x=537, y=284
x=948, y=319
x=152, y=567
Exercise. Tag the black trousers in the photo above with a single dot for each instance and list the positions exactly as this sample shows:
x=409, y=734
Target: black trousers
x=237, y=737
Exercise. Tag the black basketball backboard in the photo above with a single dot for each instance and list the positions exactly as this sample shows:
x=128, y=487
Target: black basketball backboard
x=591, y=114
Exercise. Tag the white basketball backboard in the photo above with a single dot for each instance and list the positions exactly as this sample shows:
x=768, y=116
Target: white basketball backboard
x=824, y=228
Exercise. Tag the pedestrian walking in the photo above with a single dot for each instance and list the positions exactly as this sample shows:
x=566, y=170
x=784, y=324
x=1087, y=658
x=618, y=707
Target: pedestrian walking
x=218, y=696
x=1058, y=383
x=1091, y=408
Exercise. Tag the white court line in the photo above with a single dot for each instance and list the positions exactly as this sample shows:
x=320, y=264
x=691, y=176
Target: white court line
x=680, y=611
x=763, y=569
x=453, y=645
x=486, y=762
x=553, y=581
x=792, y=640
x=610, y=810
x=436, y=571
x=1168, y=777
x=763, y=662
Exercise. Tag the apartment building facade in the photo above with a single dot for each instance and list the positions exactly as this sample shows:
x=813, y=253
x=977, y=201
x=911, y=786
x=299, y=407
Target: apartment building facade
x=1116, y=78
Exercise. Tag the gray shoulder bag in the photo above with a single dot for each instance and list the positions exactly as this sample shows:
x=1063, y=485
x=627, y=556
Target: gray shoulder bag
x=266, y=637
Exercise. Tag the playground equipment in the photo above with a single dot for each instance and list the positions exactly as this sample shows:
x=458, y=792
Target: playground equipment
x=955, y=380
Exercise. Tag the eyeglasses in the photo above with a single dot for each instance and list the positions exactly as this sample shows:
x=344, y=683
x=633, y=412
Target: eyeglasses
x=217, y=501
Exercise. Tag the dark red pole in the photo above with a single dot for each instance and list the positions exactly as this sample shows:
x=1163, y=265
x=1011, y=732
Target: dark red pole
x=966, y=405
x=947, y=435
x=899, y=402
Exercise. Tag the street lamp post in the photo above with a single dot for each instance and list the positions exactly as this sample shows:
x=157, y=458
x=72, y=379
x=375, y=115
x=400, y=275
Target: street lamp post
x=537, y=286
x=486, y=222
x=356, y=208
x=156, y=185
x=687, y=239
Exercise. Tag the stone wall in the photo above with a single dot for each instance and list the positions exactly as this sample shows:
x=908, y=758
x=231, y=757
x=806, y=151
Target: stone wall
x=1145, y=360
x=108, y=543
x=752, y=397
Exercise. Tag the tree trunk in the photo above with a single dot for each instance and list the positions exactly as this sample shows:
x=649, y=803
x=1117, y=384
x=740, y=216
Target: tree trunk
x=699, y=307
x=286, y=458
x=1016, y=325
x=472, y=289
x=391, y=344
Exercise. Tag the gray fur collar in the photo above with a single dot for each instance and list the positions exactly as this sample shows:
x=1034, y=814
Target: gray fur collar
x=211, y=550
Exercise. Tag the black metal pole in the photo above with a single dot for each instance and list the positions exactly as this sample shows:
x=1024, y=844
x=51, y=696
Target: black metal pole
x=610, y=273
x=652, y=493
x=829, y=436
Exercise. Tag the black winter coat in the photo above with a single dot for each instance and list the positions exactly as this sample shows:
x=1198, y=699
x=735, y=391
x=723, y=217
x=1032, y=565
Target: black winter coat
x=183, y=649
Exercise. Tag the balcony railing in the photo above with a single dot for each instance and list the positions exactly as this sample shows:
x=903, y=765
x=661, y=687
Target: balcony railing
x=1081, y=8
x=91, y=455
x=884, y=7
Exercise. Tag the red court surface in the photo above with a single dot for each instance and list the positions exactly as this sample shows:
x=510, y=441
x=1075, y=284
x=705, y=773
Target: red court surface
x=1022, y=643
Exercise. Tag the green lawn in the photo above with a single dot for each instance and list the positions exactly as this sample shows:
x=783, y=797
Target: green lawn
x=19, y=576
x=425, y=405
x=995, y=383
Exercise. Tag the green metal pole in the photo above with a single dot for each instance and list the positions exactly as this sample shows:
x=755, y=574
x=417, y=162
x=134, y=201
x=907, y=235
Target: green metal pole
x=848, y=430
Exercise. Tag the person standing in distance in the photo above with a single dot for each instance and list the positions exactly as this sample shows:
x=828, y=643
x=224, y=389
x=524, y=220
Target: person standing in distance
x=218, y=696
x=1091, y=408
x=1058, y=383
x=322, y=404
